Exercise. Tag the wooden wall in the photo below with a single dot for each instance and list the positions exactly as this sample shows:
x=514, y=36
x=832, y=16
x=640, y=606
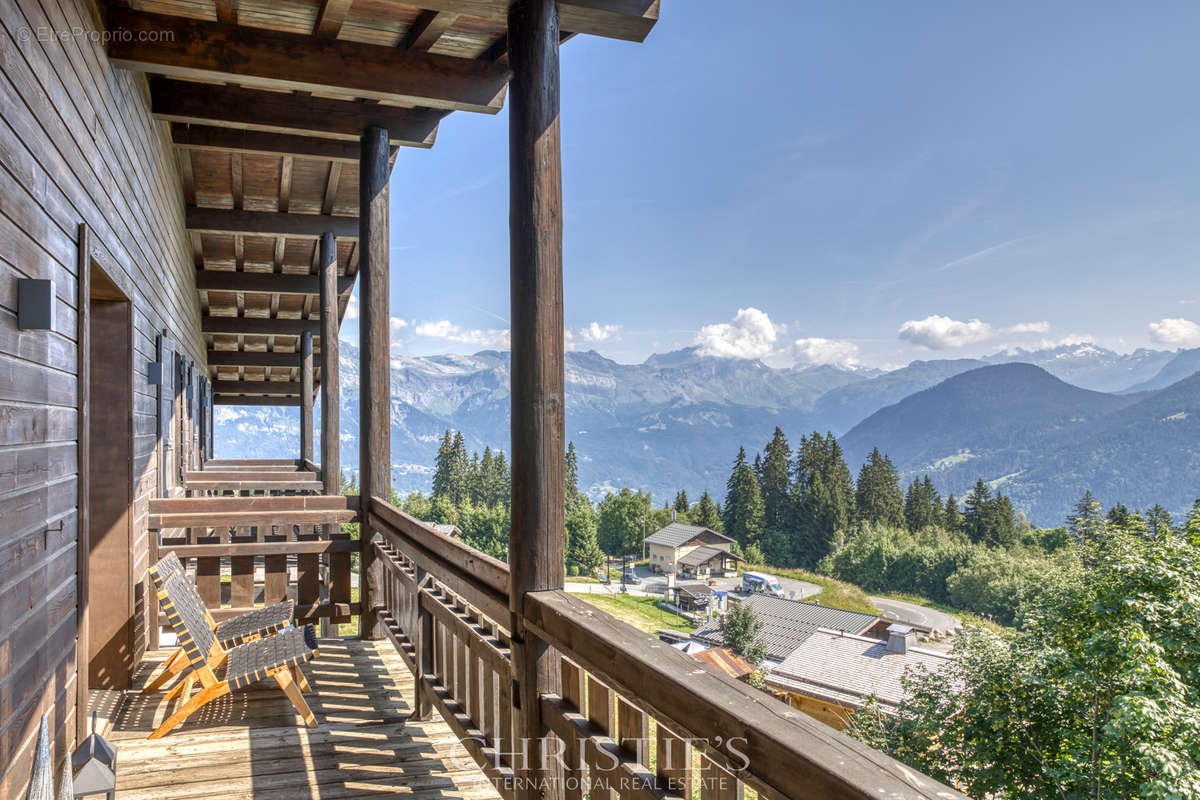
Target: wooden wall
x=77, y=144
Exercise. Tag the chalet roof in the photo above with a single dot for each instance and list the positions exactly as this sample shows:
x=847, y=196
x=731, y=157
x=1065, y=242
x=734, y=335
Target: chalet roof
x=266, y=118
x=677, y=534
x=788, y=623
x=702, y=555
x=726, y=661
x=851, y=669
x=695, y=589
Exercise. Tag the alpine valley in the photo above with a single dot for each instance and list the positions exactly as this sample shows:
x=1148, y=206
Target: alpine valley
x=1040, y=425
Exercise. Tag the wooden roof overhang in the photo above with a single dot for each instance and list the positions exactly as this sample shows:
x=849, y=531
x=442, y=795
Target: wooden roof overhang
x=266, y=101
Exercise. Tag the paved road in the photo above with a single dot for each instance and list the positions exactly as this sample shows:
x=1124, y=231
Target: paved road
x=938, y=622
x=656, y=584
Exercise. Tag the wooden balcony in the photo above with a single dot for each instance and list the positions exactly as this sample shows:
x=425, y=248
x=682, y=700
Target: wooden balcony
x=436, y=705
x=251, y=744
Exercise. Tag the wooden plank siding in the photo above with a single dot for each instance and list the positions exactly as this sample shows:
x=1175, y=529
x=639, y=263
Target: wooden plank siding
x=77, y=145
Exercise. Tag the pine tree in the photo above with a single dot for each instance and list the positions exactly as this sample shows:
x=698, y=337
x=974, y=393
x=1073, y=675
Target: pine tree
x=475, y=480
x=1158, y=521
x=583, y=548
x=1087, y=522
x=706, y=514
x=878, y=495
x=443, y=467
x=501, y=480
x=999, y=522
x=775, y=481
x=460, y=470
x=743, y=515
x=681, y=502
x=571, y=471
x=487, y=478
x=974, y=517
x=922, y=505
x=822, y=499
x=1119, y=515
x=952, y=518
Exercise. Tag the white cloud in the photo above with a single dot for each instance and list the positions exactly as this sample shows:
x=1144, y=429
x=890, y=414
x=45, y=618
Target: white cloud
x=937, y=332
x=817, y=350
x=352, y=307
x=445, y=329
x=750, y=334
x=1176, y=331
x=395, y=325
x=595, y=332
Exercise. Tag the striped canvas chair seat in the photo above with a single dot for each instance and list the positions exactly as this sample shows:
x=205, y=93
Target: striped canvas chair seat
x=277, y=657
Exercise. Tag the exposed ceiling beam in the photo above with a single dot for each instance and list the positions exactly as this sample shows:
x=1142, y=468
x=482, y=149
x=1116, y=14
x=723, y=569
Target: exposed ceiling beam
x=257, y=326
x=428, y=28
x=226, y=11
x=287, y=113
x=630, y=20
x=247, y=358
x=237, y=400
x=237, y=140
x=213, y=51
x=330, y=18
x=270, y=223
x=272, y=282
x=256, y=387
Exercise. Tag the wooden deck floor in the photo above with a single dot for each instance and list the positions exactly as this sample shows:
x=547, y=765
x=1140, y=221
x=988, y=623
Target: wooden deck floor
x=251, y=745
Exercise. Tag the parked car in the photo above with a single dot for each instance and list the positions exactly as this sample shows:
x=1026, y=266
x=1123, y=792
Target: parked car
x=761, y=583
x=629, y=576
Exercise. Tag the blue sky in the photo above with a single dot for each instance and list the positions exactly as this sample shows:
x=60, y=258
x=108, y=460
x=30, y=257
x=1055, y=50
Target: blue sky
x=866, y=182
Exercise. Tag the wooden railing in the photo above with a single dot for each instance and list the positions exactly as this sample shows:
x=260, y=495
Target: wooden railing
x=634, y=717
x=295, y=542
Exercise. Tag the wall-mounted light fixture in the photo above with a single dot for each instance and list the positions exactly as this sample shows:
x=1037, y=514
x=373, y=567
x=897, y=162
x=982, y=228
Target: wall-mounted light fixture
x=35, y=304
x=154, y=373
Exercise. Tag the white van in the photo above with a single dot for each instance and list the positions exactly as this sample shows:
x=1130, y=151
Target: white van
x=761, y=583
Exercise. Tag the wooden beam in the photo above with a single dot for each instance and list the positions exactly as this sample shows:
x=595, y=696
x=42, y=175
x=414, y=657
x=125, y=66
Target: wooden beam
x=330, y=18
x=254, y=326
x=630, y=20
x=237, y=400
x=331, y=187
x=330, y=369
x=285, y=185
x=213, y=51
x=306, y=396
x=268, y=223
x=257, y=387
x=289, y=114
x=427, y=29
x=535, y=546
x=237, y=140
x=226, y=10
x=266, y=282
x=375, y=474
x=250, y=358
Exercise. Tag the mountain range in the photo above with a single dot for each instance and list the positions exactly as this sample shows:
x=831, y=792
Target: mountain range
x=1035, y=423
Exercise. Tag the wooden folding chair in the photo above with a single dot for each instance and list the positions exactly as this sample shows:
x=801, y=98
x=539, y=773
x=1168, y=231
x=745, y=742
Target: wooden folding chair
x=277, y=657
x=247, y=627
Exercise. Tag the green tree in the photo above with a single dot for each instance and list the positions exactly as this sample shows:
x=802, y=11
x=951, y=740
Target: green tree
x=975, y=513
x=443, y=466
x=1158, y=521
x=706, y=514
x=922, y=505
x=741, y=631
x=878, y=495
x=775, y=482
x=1119, y=515
x=952, y=518
x=1087, y=521
x=822, y=499
x=571, y=470
x=743, y=515
x=621, y=517
x=681, y=505
x=583, y=548
x=1098, y=696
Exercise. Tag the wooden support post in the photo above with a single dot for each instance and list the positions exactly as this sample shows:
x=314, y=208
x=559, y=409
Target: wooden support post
x=330, y=377
x=535, y=251
x=424, y=655
x=306, y=397
x=375, y=453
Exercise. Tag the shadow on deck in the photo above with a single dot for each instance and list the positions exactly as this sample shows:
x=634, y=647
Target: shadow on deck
x=251, y=744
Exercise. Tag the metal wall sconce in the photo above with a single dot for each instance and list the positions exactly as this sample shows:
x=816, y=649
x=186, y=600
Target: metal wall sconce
x=35, y=304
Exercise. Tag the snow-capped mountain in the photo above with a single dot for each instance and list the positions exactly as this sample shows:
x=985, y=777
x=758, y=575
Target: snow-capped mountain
x=674, y=421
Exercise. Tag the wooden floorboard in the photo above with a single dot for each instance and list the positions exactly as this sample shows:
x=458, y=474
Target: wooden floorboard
x=251, y=744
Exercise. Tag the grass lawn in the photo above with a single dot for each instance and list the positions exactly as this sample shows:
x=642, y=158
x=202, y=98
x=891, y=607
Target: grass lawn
x=835, y=593
x=642, y=613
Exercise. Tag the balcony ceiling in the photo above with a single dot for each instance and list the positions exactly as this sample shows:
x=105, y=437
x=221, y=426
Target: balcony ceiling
x=266, y=100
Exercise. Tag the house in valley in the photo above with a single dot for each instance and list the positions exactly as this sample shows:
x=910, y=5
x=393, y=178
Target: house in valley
x=690, y=551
